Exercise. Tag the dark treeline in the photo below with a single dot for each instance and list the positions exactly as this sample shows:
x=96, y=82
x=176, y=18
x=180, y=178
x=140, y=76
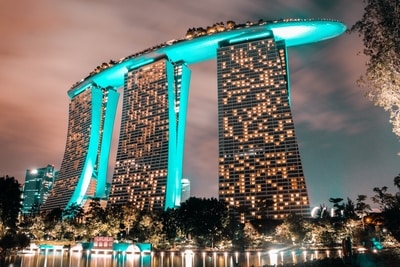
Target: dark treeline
x=205, y=223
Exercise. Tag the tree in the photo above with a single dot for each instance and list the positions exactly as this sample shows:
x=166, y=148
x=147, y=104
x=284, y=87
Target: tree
x=10, y=201
x=73, y=213
x=362, y=208
x=53, y=216
x=172, y=225
x=320, y=232
x=384, y=199
x=390, y=208
x=292, y=229
x=204, y=219
x=339, y=207
x=34, y=226
x=148, y=228
x=95, y=219
x=349, y=209
x=380, y=29
x=129, y=216
x=396, y=181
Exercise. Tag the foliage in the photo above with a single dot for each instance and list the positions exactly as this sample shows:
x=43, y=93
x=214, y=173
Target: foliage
x=208, y=223
x=10, y=202
x=53, y=216
x=339, y=207
x=172, y=226
x=234, y=233
x=34, y=226
x=396, y=181
x=73, y=213
x=362, y=208
x=99, y=221
x=204, y=220
x=11, y=240
x=292, y=230
x=320, y=232
x=390, y=208
x=380, y=29
x=129, y=215
x=148, y=228
x=384, y=199
x=250, y=235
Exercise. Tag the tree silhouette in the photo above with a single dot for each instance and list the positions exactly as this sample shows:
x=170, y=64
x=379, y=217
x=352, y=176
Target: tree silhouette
x=390, y=208
x=73, y=213
x=339, y=207
x=396, y=181
x=10, y=201
x=362, y=208
x=204, y=219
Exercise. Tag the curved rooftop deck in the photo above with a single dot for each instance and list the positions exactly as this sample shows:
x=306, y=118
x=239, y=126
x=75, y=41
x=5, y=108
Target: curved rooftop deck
x=203, y=46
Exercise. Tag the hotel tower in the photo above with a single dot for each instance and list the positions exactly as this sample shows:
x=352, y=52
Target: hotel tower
x=260, y=172
x=83, y=172
x=148, y=169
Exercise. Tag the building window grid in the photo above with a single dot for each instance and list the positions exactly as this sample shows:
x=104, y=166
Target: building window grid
x=232, y=94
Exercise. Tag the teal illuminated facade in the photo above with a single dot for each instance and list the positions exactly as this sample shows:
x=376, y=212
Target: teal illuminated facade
x=149, y=163
x=83, y=172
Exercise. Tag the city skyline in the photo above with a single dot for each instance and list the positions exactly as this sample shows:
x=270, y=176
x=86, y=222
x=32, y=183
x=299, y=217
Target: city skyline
x=346, y=144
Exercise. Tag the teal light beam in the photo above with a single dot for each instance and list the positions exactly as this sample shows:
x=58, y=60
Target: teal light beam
x=88, y=168
x=106, y=138
x=171, y=184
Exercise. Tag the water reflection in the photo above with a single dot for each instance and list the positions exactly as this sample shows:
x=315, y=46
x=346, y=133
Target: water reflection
x=187, y=258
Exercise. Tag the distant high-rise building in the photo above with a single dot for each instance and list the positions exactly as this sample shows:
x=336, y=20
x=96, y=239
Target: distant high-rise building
x=83, y=171
x=185, y=189
x=37, y=186
x=260, y=171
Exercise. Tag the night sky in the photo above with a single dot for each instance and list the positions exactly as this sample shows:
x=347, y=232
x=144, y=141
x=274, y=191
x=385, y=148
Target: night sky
x=346, y=143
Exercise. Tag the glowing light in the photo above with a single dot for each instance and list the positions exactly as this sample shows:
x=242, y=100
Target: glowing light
x=294, y=259
x=273, y=257
x=188, y=258
x=314, y=212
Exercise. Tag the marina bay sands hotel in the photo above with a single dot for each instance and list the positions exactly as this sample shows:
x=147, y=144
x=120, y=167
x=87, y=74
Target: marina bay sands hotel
x=260, y=171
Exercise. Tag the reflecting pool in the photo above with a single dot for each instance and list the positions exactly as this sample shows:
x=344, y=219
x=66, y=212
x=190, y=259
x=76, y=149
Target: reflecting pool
x=183, y=258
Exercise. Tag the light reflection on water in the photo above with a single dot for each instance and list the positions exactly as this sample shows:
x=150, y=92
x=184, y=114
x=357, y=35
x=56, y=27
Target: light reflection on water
x=165, y=259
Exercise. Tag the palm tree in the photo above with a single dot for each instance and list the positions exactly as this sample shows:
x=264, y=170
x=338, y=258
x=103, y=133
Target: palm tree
x=339, y=207
x=349, y=209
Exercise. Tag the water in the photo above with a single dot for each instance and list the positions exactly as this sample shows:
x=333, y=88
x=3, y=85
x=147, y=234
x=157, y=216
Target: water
x=188, y=258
